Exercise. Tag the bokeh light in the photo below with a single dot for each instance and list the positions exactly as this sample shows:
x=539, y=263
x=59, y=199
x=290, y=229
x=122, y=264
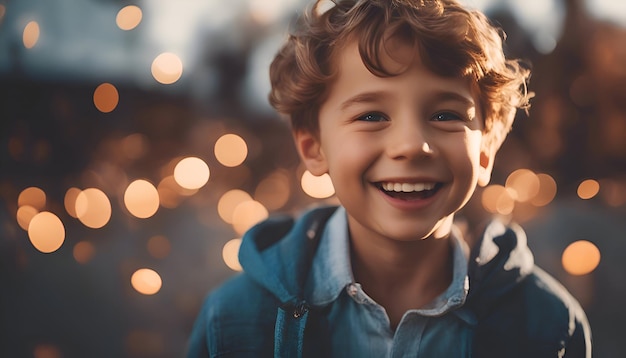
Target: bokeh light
x=145, y=343
x=170, y=193
x=32, y=196
x=83, y=252
x=31, y=34
x=141, y=199
x=588, y=189
x=248, y=214
x=159, y=246
x=146, y=281
x=273, y=191
x=580, y=258
x=497, y=199
x=128, y=17
x=228, y=202
x=613, y=192
x=47, y=351
x=191, y=173
x=547, y=190
x=231, y=150
x=524, y=183
x=93, y=208
x=319, y=187
x=167, y=68
x=69, y=201
x=25, y=214
x=135, y=145
x=46, y=232
x=322, y=6
x=106, y=97
x=230, y=253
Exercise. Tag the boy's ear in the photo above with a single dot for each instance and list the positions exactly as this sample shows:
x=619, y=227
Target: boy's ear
x=311, y=153
x=487, y=156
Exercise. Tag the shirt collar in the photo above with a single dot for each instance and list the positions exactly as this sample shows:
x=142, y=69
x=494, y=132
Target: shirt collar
x=331, y=270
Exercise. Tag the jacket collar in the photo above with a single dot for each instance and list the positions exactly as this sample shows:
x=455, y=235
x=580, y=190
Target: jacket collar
x=331, y=269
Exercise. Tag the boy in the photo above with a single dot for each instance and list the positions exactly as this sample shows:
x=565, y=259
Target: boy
x=404, y=104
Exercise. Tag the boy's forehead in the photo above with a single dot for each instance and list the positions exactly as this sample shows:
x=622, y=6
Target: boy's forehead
x=352, y=75
x=395, y=55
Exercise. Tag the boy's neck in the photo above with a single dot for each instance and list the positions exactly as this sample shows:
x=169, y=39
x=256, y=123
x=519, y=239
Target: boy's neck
x=402, y=275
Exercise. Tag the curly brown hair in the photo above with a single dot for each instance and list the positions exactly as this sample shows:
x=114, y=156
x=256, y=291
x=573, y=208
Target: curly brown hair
x=451, y=41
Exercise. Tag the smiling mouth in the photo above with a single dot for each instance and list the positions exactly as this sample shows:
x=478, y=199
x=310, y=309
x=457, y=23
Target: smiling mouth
x=408, y=191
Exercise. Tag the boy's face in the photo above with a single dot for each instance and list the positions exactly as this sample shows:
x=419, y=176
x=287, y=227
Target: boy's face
x=404, y=153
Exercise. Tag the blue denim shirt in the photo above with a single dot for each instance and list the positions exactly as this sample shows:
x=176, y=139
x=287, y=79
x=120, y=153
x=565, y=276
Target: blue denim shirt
x=360, y=326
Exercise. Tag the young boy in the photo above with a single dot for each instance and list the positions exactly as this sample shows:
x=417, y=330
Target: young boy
x=404, y=103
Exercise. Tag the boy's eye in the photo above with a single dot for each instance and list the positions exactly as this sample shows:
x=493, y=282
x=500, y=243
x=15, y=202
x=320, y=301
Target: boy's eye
x=446, y=116
x=372, y=117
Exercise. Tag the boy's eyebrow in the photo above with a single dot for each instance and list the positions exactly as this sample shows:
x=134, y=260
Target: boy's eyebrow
x=366, y=97
x=439, y=96
x=442, y=96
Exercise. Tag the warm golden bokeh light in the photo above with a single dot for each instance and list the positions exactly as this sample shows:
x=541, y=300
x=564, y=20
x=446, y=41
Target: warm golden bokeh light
x=588, y=189
x=524, y=183
x=47, y=351
x=265, y=12
x=231, y=150
x=106, y=97
x=228, y=202
x=248, y=214
x=31, y=34
x=547, y=190
x=93, y=208
x=141, y=199
x=159, y=246
x=135, y=145
x=497, y=199
x=230, y=254
x=167, y=68
x=24, y=215
x=273, y=191
x=15, y=147
x=46, y=232
x=128, y=17
x=69, y=201
x=3, y=11
x=146, y=281
x=170, y=193
x=613, y=192
x=145, y=343
x=191, y=173
x=319, y=187
x=32, y=196
x=580, y=258
x=84, y=252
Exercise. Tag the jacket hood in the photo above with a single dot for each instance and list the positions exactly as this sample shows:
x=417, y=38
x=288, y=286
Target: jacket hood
x=278, y=252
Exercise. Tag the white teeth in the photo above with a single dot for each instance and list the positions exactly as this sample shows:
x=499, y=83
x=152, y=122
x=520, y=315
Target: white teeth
x=407, y=187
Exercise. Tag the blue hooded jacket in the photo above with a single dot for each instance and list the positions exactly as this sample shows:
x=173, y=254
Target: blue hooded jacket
x=516, y=309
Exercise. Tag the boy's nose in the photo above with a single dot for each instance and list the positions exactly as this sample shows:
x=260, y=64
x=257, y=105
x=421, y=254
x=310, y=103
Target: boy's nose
x=409, y=142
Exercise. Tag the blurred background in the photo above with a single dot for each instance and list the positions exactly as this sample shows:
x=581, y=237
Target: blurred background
x=137, y=145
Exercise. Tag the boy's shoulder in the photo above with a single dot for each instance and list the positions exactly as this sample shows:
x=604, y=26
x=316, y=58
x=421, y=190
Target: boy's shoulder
x=537, y=317
x=237, y=318
x=520, y=309
x=550, y=307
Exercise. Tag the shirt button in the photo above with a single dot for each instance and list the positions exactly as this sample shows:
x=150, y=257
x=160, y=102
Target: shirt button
x=352, y=290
